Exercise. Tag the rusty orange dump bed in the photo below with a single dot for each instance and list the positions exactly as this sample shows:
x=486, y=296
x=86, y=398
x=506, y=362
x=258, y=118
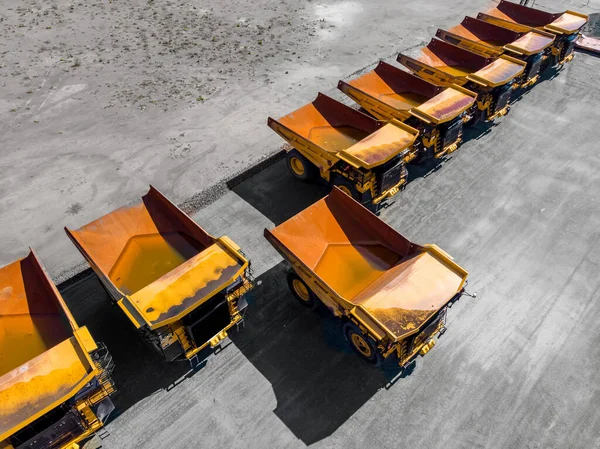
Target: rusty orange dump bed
x=491, y=40
x=388, y=92
x=567, y=22
x=155, y=261
x=450, y=64
x=367, y=267
x=44, y=357
x=327, y=129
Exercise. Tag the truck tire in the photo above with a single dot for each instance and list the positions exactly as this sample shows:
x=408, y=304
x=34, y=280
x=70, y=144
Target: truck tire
x=346, y=186
x=361, y=344
x=301, y=292
x=300, y=167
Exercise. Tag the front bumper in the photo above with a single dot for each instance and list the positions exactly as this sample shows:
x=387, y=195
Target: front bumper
x=237, y=304
x=529, y=82
x=449, y=149
x=501, y=113
x=214, y=341
x=426, y=345
x=390, y=192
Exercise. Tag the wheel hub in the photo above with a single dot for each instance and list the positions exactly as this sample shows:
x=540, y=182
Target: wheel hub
x=301, y=290
x=297, y=166
x=345, y=189
x=361, y=345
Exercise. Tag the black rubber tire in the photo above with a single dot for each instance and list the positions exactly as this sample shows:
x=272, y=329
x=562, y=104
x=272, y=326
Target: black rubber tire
x=311, y=172
x=375, y=358
x=343, y=184
x=309, y=303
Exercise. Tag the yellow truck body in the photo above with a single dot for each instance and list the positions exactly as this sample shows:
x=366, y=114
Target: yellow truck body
x=489, y=40
x=54, y=378
x=391, y=293
x=364, y=157
x=493, y=79
x=181, y=287
x=438, y=113
x=565, y=26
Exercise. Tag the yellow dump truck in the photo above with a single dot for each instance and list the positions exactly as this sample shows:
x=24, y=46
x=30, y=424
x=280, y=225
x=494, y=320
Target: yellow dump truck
x=182, y=288
x=54, y=378
x=565, y=26
x=438, y=113
x=390, y=293
x=489, y=40
x=493, y=79
x=364, y=157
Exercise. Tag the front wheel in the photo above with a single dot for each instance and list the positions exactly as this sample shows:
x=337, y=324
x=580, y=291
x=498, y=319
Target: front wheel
x=301, y=167
x=301, y=292
x=361, y=344
x=345, y=186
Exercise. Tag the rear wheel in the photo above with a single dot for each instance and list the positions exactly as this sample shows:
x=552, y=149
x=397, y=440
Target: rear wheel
x=301, y=292
x=361, y=344
x=301, y=167
x=345, y=186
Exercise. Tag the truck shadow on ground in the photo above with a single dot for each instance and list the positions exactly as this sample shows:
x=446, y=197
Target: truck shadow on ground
x=139, y=370
x=547, y=75
x=275, y=193
x=478, y=131
x=319, y=382
x=429, y=166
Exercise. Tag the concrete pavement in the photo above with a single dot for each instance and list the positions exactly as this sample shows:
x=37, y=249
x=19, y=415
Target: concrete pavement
x=518, y=206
